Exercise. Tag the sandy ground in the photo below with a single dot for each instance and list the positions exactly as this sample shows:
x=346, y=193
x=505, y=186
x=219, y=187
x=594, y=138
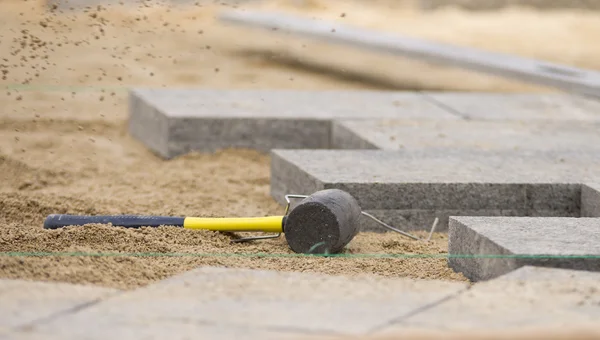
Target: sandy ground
x=64, y=147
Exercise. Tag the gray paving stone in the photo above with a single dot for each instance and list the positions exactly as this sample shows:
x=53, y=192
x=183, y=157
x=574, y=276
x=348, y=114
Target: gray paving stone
x=518, y=106
x=590, y=200
x=172, y=122
x=412, y=187
x=393, y=134
x=484, y=248
x=264, y=303
x=528, y=298
x=26, y=302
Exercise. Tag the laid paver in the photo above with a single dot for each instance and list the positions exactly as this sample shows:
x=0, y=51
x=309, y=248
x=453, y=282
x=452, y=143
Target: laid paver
x=519, y=106
x=528, y=298
x=27, y=302
x=491, y=135
x=264, y=303
x=483, y=248
x=172, y=122
x=409, y=188
x=590, y=200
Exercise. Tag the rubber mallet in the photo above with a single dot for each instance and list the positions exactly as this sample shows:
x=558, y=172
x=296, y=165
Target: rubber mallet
x=324, y=222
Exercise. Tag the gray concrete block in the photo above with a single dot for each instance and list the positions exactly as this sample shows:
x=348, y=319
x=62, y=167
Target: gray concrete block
x=484, y=248
x=174, y=122
x=393, y=134
x=27, y=302
x=590, y=200
x=528, y=298
x=253, y=304
x=440, y=182
x=518, y=106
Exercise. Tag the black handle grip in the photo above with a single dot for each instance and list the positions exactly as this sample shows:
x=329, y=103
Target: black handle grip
x=56, y=221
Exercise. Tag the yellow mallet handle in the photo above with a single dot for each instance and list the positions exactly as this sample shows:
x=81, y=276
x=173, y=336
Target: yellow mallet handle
x=270, y=224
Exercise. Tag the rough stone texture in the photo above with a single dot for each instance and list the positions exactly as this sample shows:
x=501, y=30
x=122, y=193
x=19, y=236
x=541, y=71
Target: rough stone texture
x=499, y=4
x=572, y=243
x=393, y=134
x=526, y=298
x=26, y=302
x=173, y=122
x=590, y=200
x=516, y=106
x=252, y=304
x=415, y=186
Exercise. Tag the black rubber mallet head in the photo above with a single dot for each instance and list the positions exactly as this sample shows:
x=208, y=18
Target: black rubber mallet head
x=324, y=222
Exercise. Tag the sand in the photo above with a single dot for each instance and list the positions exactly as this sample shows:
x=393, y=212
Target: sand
x=64, y=147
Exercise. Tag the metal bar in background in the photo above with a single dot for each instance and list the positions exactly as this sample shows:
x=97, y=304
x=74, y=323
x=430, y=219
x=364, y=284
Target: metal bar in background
x=566, y=78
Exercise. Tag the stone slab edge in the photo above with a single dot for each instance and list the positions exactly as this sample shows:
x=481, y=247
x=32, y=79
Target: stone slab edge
x=474, y=254
x=590, y=200
x=148, y=124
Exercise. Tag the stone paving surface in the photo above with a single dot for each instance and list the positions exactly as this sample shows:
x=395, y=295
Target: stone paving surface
x=526, y=298
x=26, y=302
x=409, y=188
x=224, y=303
x=489, y=135
x=173, y=122
x=533, y=238
x=253, y=303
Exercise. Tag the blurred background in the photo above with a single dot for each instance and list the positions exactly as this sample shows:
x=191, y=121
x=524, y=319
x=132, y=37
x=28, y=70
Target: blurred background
x=181, y=43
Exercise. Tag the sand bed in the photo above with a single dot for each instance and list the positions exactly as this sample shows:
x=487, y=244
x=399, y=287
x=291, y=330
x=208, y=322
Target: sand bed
x=122, y=177
x=64, y=147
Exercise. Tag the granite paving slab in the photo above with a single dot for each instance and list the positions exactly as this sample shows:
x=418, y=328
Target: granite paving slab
x=409, y=188
x=527, y=298
x=172, y=122
x=26, y=302
x=484, y=248
x=491, y=135
x=519, y=106
x=265, y=303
